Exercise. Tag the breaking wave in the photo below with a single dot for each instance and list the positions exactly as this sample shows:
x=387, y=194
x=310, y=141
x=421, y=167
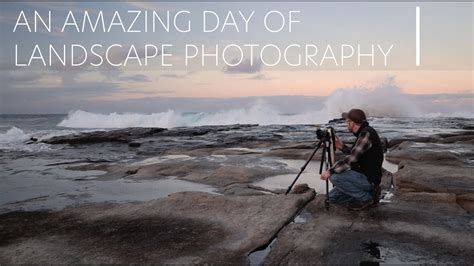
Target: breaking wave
x=17, y=139
x=382, y=100
x=260, y=113
x=13, y=135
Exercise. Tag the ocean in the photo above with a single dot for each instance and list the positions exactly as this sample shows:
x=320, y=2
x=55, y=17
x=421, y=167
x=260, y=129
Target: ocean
x=16, y=130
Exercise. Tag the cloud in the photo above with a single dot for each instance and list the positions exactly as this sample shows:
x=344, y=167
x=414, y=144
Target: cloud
x=94, y=96
x=143, y=5
x=177, y=76
x=260, y=77
x=11, y=16
x=52, y=99
x=111, y=73
x=8, y=18
x=135, y=78
x=163, y=92
x=19, y=77
x=64, y=6
x=172, y=75
x=27, y=91
x=245, y=67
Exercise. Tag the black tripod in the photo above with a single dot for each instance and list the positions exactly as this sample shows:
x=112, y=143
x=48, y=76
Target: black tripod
x=326, y=141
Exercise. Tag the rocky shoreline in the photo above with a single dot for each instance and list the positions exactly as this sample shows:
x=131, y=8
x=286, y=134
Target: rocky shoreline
x=426, y=216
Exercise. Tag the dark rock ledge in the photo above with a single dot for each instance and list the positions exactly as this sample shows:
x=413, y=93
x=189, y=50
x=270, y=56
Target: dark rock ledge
x=186, y=227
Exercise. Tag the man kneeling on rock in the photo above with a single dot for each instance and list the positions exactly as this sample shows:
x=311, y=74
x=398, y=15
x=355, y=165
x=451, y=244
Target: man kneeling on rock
x=356, y=178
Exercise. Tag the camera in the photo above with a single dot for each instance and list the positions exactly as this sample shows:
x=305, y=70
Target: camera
x=325, y=133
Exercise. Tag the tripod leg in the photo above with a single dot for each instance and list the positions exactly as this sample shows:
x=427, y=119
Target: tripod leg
x=323, y=157
x=304, y=167
x=326, y=202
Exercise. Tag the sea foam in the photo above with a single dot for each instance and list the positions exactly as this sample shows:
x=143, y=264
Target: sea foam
x=384, y=99
x=13, y=135
x=17, y=139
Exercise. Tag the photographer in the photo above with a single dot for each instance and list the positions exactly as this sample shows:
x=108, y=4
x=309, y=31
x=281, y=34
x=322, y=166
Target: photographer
x=356, y=178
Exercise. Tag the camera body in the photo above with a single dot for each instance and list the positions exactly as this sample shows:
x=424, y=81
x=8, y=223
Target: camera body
x=325, y=134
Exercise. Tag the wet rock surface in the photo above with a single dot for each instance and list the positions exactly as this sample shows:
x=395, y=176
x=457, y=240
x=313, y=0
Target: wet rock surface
x=399, y=232
x=454, y=137
x=120, y=135
x=187, y=227
x=434, y=153
x=437, y=167
x=442, y=179
x=426, y=216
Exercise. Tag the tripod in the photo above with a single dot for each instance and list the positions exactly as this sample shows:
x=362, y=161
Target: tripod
x=326, y=141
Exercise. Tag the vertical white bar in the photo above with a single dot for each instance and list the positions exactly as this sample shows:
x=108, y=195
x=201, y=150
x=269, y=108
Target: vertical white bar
x=417, y=36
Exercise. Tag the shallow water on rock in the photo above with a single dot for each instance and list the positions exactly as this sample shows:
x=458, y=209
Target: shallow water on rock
x=391, y=167
x=160, y=159
x=33, y=185
x=257, y=257
x=248, y=150
x=310, y=176
x=302, y=217
x=386, y=254
x=53, y=194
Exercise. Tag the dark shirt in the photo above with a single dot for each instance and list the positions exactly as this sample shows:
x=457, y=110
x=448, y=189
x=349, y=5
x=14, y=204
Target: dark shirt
x=365, y=156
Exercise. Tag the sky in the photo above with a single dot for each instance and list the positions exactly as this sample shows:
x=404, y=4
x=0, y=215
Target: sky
x=445, y=47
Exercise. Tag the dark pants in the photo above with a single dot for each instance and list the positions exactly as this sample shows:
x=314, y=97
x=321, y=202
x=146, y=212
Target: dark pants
x=349, y=186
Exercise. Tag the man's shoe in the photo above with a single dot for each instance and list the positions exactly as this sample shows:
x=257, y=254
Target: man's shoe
x=360, y=205
x=376, y=193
